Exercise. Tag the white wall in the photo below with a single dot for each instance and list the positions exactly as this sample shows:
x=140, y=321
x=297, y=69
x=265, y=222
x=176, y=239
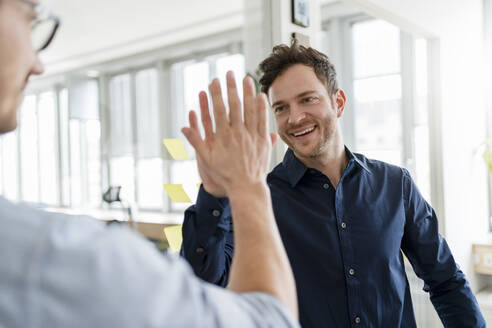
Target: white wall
x=457, y=25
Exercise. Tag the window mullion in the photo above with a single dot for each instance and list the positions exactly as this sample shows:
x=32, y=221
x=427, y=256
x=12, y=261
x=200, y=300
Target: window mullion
x=69, y=149
x=105, y=141
x=409, y=95
x=133, y=109
x=347, y=84
x=166, y=118
x=38, y=147
x=59, y=155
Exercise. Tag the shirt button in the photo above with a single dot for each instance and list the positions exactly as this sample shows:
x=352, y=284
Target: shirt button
x=216, y=213
x=357, y=320
x=199, y=250
x=351, y=271
x=344, y=225
x=326, y=186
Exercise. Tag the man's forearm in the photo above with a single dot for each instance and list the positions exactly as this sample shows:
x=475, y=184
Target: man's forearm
x=455, y=303
x=260, y=262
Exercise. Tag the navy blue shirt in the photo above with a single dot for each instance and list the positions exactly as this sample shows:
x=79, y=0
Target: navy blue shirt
x=345, y=245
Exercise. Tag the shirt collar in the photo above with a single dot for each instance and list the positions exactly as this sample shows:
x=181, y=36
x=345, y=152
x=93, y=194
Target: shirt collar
x=295, y=169
x=356, y=159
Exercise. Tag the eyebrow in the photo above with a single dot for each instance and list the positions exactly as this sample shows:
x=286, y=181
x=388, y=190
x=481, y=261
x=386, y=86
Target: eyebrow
x=302, y=94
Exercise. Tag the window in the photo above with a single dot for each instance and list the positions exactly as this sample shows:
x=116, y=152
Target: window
x=135, y=161
x=147, y=105
x=85, y=163
x=122, y=162
x=48, y=149
x=65, y=195
x=188, y=79
x=77, y=138
x=384, y=76
x=28, y=128
x=421, y=120
x=377, y=90
x=149, y=162
x=53, y=158
x=10, y=165
x=84, y=148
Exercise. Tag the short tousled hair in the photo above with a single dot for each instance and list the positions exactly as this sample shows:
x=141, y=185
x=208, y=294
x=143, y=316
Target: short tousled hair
x=283, y=57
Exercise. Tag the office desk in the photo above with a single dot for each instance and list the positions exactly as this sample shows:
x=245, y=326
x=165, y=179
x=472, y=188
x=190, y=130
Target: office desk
x=149, y=224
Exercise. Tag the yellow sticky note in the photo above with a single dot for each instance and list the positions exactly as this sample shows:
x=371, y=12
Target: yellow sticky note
x=176, y=148
x=177, y=193
x=174, y=237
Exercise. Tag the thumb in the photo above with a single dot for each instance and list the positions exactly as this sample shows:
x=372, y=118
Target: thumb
x=273, y=138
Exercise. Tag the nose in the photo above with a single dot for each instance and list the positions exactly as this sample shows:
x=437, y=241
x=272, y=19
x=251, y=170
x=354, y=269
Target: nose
x=38, y=67
x=296, y=115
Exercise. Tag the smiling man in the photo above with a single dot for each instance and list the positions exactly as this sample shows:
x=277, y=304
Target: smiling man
x=63, y=271
x=345, y=220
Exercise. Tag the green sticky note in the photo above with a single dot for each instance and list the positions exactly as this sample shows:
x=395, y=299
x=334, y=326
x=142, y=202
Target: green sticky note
x=176, y=148
x=177, y=193
x=487, y=157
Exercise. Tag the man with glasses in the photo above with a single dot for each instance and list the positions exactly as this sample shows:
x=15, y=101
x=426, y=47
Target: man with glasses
x=61, y=271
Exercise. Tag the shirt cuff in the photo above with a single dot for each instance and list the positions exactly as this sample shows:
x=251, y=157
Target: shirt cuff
x=213, y=211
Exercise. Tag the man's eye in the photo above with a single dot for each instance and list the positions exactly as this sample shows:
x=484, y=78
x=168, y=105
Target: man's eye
x=278, y=109
x=309, y=99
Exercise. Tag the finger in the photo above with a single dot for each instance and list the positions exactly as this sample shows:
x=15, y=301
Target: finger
x=249, y=93
x=193, y=121
x=233, y=99
x=205, y=114
x=195, y=140
x=261, y=109
x=273, y=138
x=220, y=115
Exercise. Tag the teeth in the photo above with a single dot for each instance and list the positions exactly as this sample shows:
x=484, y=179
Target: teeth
x=303, y=132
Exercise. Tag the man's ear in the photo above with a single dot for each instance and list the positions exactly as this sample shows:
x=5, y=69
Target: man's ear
x=340, y=101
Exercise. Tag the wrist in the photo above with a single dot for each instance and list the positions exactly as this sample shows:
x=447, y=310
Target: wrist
x=244, y=190
x=217, y=193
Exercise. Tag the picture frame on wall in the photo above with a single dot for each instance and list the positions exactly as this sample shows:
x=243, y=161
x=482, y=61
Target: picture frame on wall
x=300, y=12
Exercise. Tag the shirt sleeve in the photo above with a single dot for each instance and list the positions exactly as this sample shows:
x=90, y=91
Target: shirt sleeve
x=92, y=276
x=433, y=262
x=208, y=239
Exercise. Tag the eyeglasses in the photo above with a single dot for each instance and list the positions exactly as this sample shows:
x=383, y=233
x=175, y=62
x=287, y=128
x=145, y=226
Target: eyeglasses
x=43, y=27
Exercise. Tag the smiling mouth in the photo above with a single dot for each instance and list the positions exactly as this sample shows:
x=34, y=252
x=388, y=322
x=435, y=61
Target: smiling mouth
x=304, y=132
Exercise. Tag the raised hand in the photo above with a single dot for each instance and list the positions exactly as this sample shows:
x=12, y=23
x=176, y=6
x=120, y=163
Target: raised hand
x=237, y=154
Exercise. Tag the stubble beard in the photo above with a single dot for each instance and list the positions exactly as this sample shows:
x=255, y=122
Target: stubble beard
x=316, y=152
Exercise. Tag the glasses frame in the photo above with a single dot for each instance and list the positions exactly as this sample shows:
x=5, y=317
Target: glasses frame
x=43, y=14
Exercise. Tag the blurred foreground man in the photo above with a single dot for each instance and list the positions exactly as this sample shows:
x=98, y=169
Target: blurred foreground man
x=61, y=271
x=345, y=220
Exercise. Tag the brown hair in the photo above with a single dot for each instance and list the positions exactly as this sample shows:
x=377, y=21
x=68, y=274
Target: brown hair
x=283, y=57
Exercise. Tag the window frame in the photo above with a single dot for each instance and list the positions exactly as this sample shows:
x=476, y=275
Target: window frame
x=160, y=59
x=166, y=118
x=337, y=21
